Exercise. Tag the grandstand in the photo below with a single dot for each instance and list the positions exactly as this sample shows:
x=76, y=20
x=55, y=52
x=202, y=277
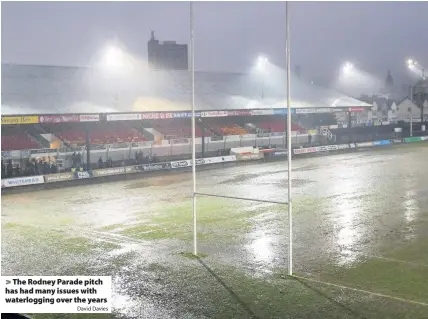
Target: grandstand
x=52, y=109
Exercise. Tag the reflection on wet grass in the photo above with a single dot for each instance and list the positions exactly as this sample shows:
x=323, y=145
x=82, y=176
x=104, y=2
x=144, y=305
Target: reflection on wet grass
x=111, y=227
x=358, y=234
x=149, y=232
x=231, y=291
x=157, y=181
x=56, y=239
x=175, y=221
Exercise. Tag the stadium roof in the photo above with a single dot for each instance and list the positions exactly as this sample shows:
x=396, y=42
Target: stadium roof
x=30, y=89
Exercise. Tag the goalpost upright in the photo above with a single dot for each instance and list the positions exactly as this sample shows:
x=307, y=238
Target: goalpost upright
x=288, y=125
x=192, y=75
x=290, y=212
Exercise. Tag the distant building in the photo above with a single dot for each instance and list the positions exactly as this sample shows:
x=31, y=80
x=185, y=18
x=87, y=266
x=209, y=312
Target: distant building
x=389, y=81
x=167, y=55
x=383, y=110
x=408, y=110
x=389, y=85
x=420, y=96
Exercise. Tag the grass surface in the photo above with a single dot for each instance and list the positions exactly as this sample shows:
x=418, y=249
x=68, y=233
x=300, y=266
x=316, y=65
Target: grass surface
x=175, y=221
x=225, y=292
x=152, y=253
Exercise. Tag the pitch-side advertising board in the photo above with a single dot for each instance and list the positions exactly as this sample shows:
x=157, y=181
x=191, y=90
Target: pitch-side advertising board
x=22, y=181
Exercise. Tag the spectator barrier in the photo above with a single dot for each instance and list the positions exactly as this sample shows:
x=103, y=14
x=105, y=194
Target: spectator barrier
x=34, y=180
x=338, y=147
x=167, y=148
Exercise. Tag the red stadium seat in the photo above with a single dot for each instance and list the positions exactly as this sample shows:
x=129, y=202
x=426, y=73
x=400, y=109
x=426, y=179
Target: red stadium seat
x=225, y=126
x=178, y=128
x=20, y=141
x=278, y=126
x=107, y=134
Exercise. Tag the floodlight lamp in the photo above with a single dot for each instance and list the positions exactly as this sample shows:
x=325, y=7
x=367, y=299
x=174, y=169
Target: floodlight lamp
x=348, y=67
x=113, y=58
x=411, y=63
x=261, y=62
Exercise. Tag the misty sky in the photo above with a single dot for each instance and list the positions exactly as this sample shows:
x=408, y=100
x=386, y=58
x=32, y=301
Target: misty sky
x=377, y=36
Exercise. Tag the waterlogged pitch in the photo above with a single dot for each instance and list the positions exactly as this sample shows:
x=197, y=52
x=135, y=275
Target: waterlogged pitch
x=360, y=221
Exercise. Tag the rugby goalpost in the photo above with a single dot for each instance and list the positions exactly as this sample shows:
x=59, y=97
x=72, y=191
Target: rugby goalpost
x=289, y=199
x=288, y=125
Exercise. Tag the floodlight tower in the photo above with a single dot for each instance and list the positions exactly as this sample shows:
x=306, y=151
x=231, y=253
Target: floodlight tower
x=261, y=66
x=348, y=70
x=419, y=88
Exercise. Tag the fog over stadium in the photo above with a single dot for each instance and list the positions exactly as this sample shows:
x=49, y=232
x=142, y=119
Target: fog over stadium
x=228, y=36
x=58, y=90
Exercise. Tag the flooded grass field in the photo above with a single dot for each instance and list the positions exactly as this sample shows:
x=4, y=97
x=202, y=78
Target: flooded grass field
x=360, y=221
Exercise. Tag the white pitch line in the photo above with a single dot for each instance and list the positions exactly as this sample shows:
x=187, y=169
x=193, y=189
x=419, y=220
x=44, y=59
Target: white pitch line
x=399, y=261
x=390, y=259
x=364, y=291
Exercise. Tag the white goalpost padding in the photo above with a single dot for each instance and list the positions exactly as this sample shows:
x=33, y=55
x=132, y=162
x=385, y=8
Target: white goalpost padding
x=288, y=125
